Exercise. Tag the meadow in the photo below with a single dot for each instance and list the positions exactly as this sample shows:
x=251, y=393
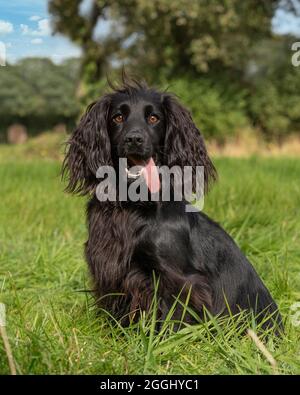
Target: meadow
x=52, y=324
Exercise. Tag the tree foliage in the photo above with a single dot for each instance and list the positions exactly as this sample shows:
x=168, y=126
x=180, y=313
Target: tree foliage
x=179, y=36
x=213, y=43
x=274, y=104
x=38, y=93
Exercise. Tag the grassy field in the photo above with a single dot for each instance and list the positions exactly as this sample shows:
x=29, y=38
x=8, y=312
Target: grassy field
x=53, y=327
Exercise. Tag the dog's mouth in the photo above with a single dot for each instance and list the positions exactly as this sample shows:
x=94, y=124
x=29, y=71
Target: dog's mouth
x=135, y=166
x=146, y=168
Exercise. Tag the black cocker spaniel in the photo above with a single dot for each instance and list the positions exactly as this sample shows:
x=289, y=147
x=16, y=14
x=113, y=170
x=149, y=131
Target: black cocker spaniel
x=132, y=241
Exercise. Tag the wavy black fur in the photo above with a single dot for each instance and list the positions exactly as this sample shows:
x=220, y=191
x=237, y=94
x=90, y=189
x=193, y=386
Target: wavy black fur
x=128, y=242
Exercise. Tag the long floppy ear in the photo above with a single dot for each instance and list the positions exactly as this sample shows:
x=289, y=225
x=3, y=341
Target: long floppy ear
x=89, y=148
x=184, y=144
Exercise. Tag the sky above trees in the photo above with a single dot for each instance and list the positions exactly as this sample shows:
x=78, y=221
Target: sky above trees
x=25, y=30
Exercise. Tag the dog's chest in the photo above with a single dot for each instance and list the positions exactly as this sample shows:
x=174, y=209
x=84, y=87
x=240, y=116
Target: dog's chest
x=124, y=240
x=162, y=242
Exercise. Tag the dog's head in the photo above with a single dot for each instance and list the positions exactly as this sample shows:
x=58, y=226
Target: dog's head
x=145, y=126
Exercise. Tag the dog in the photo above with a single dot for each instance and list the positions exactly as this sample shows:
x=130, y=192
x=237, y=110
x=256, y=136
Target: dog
x=130, y=243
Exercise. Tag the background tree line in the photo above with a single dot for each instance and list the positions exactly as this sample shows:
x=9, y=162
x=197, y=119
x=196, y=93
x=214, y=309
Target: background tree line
x=220, y=57
x=38, y=94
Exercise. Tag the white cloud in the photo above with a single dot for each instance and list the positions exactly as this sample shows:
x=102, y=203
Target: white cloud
x=42, y=30
x=24, y=28
x=6, y=27
x=35, y=18
x=36, y=41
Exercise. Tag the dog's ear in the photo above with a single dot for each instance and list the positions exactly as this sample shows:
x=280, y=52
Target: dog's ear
x=89, y=148
x=184, y=144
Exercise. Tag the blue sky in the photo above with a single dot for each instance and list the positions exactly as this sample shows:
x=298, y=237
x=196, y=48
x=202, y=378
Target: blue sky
x=25, y=30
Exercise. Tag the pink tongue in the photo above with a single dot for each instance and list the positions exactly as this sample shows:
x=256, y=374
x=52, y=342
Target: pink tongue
x=151, y=176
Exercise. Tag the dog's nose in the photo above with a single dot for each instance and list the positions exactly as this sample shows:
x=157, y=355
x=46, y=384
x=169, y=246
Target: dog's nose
x=134, y=138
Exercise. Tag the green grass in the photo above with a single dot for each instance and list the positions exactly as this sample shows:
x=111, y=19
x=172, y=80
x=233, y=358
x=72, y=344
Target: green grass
x=53, y=327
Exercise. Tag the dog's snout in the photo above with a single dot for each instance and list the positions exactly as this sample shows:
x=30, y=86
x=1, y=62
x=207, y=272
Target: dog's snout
x=134, y=138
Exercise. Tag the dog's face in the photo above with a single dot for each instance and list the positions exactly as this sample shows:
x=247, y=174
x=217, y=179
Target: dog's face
x=144, y=126
x=137, y=127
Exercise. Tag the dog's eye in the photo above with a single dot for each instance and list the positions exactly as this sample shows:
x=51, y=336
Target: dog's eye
x=152, y=119
x=118, y=118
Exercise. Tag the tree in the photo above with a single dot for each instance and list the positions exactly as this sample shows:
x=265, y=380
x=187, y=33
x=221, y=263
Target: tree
x=205, y=49
x=166, y=37
x=38, y=93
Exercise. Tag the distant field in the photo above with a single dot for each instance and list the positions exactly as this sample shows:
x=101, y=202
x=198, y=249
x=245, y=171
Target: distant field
x=53, y=328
